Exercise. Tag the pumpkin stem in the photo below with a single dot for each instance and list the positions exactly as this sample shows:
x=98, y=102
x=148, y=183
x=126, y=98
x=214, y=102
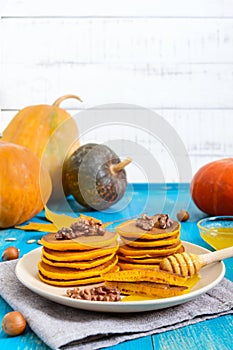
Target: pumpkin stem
x=65, y=97
x=118, y=167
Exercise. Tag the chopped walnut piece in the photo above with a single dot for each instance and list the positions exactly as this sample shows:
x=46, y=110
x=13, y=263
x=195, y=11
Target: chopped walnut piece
x=147, y=223
x=164, y=221
x=102, y=293
x=82, y=227
x=64, y=233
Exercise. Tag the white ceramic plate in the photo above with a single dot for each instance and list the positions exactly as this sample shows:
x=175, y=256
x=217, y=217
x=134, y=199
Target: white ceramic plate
x=26, y=271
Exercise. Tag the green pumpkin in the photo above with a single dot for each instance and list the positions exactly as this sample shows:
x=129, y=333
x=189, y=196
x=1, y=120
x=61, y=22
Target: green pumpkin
x=95, y=176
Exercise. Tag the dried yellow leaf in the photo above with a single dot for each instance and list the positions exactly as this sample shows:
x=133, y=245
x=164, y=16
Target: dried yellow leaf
x=37, y=226
x=62, y=220
x=59, y=220
x=82, y=216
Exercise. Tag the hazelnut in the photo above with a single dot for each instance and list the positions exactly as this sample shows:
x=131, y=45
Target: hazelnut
x=10, y=253
x=13, y=323
x=182, y=215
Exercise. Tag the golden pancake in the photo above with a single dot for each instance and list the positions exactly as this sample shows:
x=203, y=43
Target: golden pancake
x=155, y=290
x=134, y=266
x=154, y=260
x=140, y=243
x=80, y=265
x=149, y=252
x=129, y=230
x=64, y=273
x=78, y=282
x=79, y=243
x=146, y=260
x=83, y=255
x=148, y=275
x=145, y=249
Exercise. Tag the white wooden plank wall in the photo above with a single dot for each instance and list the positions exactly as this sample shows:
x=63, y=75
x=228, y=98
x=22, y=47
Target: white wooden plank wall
x=173, y=57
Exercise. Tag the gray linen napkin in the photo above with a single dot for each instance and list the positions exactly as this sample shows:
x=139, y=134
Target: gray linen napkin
x=62, y=327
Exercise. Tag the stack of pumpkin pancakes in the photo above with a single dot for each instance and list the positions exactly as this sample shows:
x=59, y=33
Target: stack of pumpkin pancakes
x=144, y=248
x=77, y=261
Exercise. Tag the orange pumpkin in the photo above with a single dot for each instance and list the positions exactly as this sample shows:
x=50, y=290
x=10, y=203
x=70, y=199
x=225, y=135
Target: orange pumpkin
x=48, y=131
x=212, y=187
x=25, y=186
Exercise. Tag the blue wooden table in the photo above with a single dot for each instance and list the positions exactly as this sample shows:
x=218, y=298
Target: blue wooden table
x=169, y=198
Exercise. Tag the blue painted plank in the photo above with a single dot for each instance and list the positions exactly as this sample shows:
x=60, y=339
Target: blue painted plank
x=215, y=334
x=144, y=343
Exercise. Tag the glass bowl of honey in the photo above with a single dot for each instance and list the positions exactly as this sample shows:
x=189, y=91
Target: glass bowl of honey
x=217, y=231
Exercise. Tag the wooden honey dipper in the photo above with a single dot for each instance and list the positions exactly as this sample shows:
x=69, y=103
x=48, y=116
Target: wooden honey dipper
x=188, y=264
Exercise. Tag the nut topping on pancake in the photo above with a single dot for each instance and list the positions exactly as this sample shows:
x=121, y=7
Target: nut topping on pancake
x=83, y=227
x=147, y=223
x=164, y=221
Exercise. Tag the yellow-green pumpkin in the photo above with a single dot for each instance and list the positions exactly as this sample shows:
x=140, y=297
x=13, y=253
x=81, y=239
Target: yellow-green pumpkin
x=25, y=185
x=48, y=131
